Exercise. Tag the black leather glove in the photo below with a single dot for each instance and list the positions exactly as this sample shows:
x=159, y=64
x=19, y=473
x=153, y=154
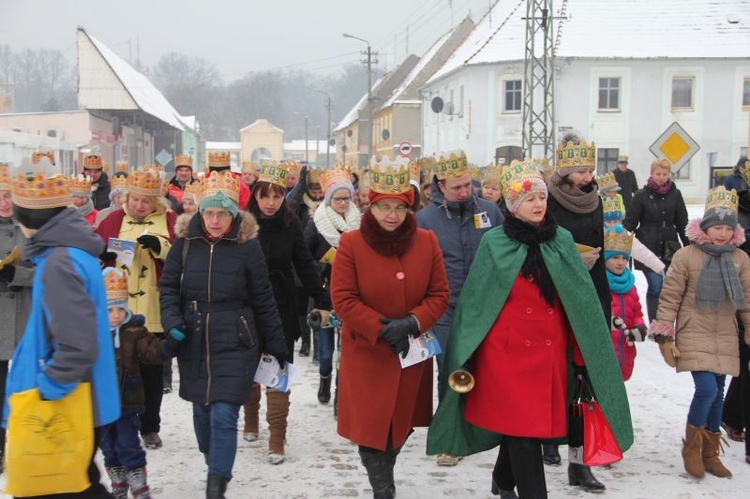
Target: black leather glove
x=396, y=333
x=281, y=358
x=7, y=273
x=314, y=320
x=150, y=242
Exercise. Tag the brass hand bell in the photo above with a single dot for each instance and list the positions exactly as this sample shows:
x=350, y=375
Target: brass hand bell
x=461, y=381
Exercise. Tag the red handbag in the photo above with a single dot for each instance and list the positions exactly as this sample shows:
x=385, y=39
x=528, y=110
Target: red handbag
x=599, y=443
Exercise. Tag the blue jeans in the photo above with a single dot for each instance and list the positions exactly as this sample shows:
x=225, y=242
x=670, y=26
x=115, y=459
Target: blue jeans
x=120, y=443
x=326, y=346
x=655, y=281
x=708, y=400
x=215, y=428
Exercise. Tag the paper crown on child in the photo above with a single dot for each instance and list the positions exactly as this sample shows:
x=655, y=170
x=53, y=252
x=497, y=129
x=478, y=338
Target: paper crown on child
x=415, y=174
x=220, y=182
x=721, y=208
x=607, y=182
x=274, y=172
x=80, y=185
x=617, y=241
x=4, y=176
x=194, y=189
x=314, y=175
x=612, y=209
x=39, y=185
x=572, y=156
x=122, y=166
x=116, y=285
x=453, y=166
x=519, y=179
x=492, y=175
x=93, y=162
x=389, y=176
x=36, y=156
x=183, y=160
x=148, y=180
x=119, y=182
x=219, y=159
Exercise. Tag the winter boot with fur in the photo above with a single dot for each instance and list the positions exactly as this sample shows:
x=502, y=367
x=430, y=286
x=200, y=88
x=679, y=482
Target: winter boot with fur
x=691, y=451
x=276, y=415
x=138, y=483
x=216, y=486
x=119, y=482
x=710, y=452
x=251, y=408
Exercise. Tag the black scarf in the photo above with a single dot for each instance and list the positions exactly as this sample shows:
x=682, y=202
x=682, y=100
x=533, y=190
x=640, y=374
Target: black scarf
x=533, y=267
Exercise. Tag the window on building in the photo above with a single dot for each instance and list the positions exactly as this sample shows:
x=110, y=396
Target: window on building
x=746, y=93
x=606, y=159
x=609, y=94
x=682, y=93
x=513, y=96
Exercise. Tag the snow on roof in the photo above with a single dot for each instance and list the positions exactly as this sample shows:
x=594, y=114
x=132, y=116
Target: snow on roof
x=353, y=113
x=140, y=88
x=261, y=122
x=635, y=29
x=222, y=146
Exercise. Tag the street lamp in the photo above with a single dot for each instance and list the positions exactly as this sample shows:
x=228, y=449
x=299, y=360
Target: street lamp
x=328, y=106
x=369, y=93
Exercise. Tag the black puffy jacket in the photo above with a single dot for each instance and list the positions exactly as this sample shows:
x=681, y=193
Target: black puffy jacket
x=226, y=283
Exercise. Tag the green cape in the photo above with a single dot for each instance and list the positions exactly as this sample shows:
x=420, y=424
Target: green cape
x=497, y=263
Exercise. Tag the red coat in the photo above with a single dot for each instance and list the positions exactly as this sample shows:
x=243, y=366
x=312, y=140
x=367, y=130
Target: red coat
x=521, y=368
x=374, y=391
x=628, y=307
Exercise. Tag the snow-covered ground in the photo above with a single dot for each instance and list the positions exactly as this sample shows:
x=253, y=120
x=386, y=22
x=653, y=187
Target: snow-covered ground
x=322, y=464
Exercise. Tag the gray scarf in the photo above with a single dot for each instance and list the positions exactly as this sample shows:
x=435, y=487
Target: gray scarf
x=87, y=208
x=718, y=278
x=571, y=197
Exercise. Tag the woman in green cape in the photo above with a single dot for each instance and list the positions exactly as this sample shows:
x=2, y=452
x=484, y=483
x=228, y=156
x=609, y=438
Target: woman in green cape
x=528, y=319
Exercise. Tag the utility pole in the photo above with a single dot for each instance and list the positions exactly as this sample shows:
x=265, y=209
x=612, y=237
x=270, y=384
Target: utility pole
x=365, y=157
x=328, y=125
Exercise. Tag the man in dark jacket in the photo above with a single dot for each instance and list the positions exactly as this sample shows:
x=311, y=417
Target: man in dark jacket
x=183, y=176
x=626, y=180
x=93, y=166
x=736, y=181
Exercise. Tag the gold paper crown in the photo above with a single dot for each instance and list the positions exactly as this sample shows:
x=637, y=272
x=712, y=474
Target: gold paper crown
x=34, y=189
x=292, y=166
x=122, y=166
x=388, y=176
x=80, y=185
x=719, y=198
x=476, y=173
x=620, y=241
x=611, y=205
x=223, y=182
x=119, y=181
x=93, y=162
x=4, y=177
x=453, y=166
x=183, y=160
x=36, y=156
x=514, y=175
x=607, y=182
x=219, y=159
x=116, y=284
x=146, y=181
x=745, y=170
x=193, y=189
x=340, y=174
x=492, y=174
x=573, y=155
x=314, y=175
x=415, y=173
x=275, y=173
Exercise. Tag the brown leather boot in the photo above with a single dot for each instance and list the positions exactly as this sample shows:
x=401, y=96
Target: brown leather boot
x=691, y=450
x=711, y=448
x=251, y=408
x=276, y=415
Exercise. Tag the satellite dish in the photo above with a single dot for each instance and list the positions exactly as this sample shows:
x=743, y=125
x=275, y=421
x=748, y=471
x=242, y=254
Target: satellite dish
x=436, y=105
x=385, y=134
x=449, y=108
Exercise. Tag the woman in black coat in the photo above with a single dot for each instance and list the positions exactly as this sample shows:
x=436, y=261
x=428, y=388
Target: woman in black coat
x=285, y=253
x=658, y=215
x=215, y=290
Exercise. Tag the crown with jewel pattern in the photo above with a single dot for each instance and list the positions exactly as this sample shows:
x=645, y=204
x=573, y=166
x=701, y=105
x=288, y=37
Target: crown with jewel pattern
x=4, y=176
x=517, y=177
x=80, y=185
x=219, y=159
x=193, y=189
x=39, y=185
x=146, y=181
x=119, y=182
x=719, y=198
x=220, y=182
x=415, y=173
x=36, y=156
x=122, y=166
x=93, y=162
x=276, y=173
x=116, y=284
x=492, y=174
x=453, y=166
x=745, y=171
x=611, y=208
x=389, y=176
x=572, y=155
x=607, y=182
x=339, y=174
x=617, y=240
x=183, y=160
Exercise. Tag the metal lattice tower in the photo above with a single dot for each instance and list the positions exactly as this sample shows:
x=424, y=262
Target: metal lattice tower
x=538, y=83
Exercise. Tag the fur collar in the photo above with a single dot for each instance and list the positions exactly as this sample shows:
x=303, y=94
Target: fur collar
x=386, y=243
x=698, y=236
x=248, y=226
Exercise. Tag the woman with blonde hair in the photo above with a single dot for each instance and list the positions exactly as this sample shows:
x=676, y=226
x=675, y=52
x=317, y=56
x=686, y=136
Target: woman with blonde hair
x=658, y=215
x=145, y=219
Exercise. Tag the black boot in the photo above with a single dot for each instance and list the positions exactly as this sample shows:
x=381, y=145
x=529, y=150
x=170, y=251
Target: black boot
x=652, y=305
x=503, y=483
x=551, y=455
x=380, y=473
x=392, y=455
x=581, y=475
x=216, y=486
x=304, y=349
x=324, y=390
x=336, y=398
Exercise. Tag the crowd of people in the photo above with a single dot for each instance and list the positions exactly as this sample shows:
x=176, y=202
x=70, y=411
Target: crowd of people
x=521, y=273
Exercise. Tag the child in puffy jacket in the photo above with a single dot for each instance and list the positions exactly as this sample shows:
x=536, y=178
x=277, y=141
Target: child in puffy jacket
x=627, y=316
x=124, y=458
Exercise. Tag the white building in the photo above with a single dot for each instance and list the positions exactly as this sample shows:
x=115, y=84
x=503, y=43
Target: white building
x=624, y=72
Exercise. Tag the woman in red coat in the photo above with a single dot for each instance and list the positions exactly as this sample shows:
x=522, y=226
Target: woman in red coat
x=388, y=284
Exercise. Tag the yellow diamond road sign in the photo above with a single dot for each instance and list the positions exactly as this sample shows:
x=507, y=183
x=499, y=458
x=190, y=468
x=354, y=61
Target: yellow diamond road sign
x=676, y=145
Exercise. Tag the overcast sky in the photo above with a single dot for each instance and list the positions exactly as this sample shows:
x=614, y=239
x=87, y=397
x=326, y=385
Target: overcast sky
x=238, y=35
